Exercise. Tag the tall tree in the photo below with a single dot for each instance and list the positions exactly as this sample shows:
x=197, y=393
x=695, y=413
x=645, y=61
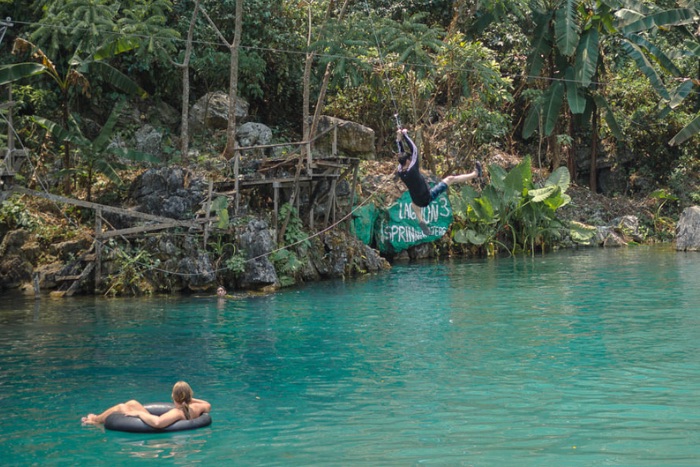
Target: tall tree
x=569, y=41
x=233, y=46
x=185, y=67
x=73, y=79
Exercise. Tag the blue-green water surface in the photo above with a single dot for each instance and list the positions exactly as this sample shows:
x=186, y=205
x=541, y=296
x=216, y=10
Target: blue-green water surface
x=577, y=358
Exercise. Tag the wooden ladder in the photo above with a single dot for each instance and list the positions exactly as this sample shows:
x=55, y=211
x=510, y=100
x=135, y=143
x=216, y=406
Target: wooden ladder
x=70, y=283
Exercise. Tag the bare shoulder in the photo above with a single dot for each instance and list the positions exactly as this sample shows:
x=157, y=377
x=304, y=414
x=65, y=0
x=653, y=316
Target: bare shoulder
x=200, y=407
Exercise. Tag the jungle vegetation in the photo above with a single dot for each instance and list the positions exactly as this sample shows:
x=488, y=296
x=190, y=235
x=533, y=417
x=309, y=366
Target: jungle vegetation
x=553, y=81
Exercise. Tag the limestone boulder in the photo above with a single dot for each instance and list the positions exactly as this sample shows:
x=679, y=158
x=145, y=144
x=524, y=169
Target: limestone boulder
x=253, y=134
x=211, y=111
x=688, y=230
x=257, y=243
x=353, y=139
x=169, y=192
x=149, y=140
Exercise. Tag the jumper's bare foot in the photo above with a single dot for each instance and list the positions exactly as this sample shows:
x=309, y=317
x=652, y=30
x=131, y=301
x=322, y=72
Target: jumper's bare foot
x=91, y=419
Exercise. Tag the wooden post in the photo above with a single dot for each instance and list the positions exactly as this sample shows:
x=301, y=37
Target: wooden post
x=311, y=206
x=275, y=213
x=309, y=159
x=331, y=202
x=236, y=165
x=10, y=127
x=35, y=278
x=207, y=214
x=98, y=248
x=334, y=145
x=352, y=192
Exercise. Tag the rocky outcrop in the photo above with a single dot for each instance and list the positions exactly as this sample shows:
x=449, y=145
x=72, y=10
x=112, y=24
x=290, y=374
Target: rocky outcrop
x=257, y=244
x=15, y=268
x=253, y=134
x=354, y=140
x=688, y=230
x=169, y=192
x=149, y=140
x=337, y=254
x=620, y=232
x=211, y=112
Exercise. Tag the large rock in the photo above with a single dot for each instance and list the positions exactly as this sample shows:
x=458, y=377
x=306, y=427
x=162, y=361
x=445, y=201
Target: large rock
x=338, y=255
x=257, y=244
x=253, y=134
x=197, y=271
x=211, y=111
x=354, y=140
x=688, y=230
x=168, y=192
x=149, y=140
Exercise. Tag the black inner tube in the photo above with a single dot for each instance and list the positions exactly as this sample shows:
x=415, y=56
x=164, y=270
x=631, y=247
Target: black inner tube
x=120, y=422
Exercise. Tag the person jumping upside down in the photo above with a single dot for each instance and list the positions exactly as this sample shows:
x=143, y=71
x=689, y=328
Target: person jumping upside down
x=409, y=172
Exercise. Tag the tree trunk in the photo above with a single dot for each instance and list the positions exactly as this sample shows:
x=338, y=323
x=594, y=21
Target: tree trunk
x=307, y=84
x=185, y=115
x=593, y=178
x=65, y=113
x=229, y=152
x=326, y=76
x=571, y=151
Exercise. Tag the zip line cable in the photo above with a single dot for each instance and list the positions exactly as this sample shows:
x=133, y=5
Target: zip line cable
x=387, y=81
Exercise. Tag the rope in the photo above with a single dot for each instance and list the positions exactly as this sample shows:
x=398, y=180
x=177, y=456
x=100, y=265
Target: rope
x=285, y=247
x=387, y=81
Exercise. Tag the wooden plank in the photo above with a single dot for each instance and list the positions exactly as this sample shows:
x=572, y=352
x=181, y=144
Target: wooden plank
x=74, y=286
x=271, y=181
x=112, y=209
x=207, y=214
x=140, y=229
x=67, y=278
x=98, y=249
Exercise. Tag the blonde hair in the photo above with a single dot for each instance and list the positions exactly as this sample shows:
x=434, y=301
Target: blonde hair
x=182, y=394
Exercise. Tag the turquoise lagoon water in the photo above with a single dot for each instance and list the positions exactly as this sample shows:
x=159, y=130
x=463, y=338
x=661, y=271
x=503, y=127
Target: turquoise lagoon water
x=577, y=358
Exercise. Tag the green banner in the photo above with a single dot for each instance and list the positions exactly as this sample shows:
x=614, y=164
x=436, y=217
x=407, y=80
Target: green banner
x=397, y=228
x=364, y=219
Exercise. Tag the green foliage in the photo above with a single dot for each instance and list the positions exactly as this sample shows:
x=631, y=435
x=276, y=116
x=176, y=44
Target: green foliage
x=73, y=24
x=581, y=233
x=233, y=259
x=294, y=234
x=287, y=265
x=15, y=215
x=236, y=263
x=131, y=271
x=511, y=211
x=569, y=39
x=664, y=226
x=220, y=206
x=94, y=154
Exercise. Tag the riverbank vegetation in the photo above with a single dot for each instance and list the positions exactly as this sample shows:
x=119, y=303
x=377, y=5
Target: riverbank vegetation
x=606, y=90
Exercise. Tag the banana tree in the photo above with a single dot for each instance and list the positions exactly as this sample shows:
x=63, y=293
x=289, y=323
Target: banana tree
x=568, y=43
x=74, y=78
x=100, y=155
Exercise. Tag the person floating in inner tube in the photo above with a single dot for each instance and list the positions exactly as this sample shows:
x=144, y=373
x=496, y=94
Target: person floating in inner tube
x=409, y=172
x=186, y=408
